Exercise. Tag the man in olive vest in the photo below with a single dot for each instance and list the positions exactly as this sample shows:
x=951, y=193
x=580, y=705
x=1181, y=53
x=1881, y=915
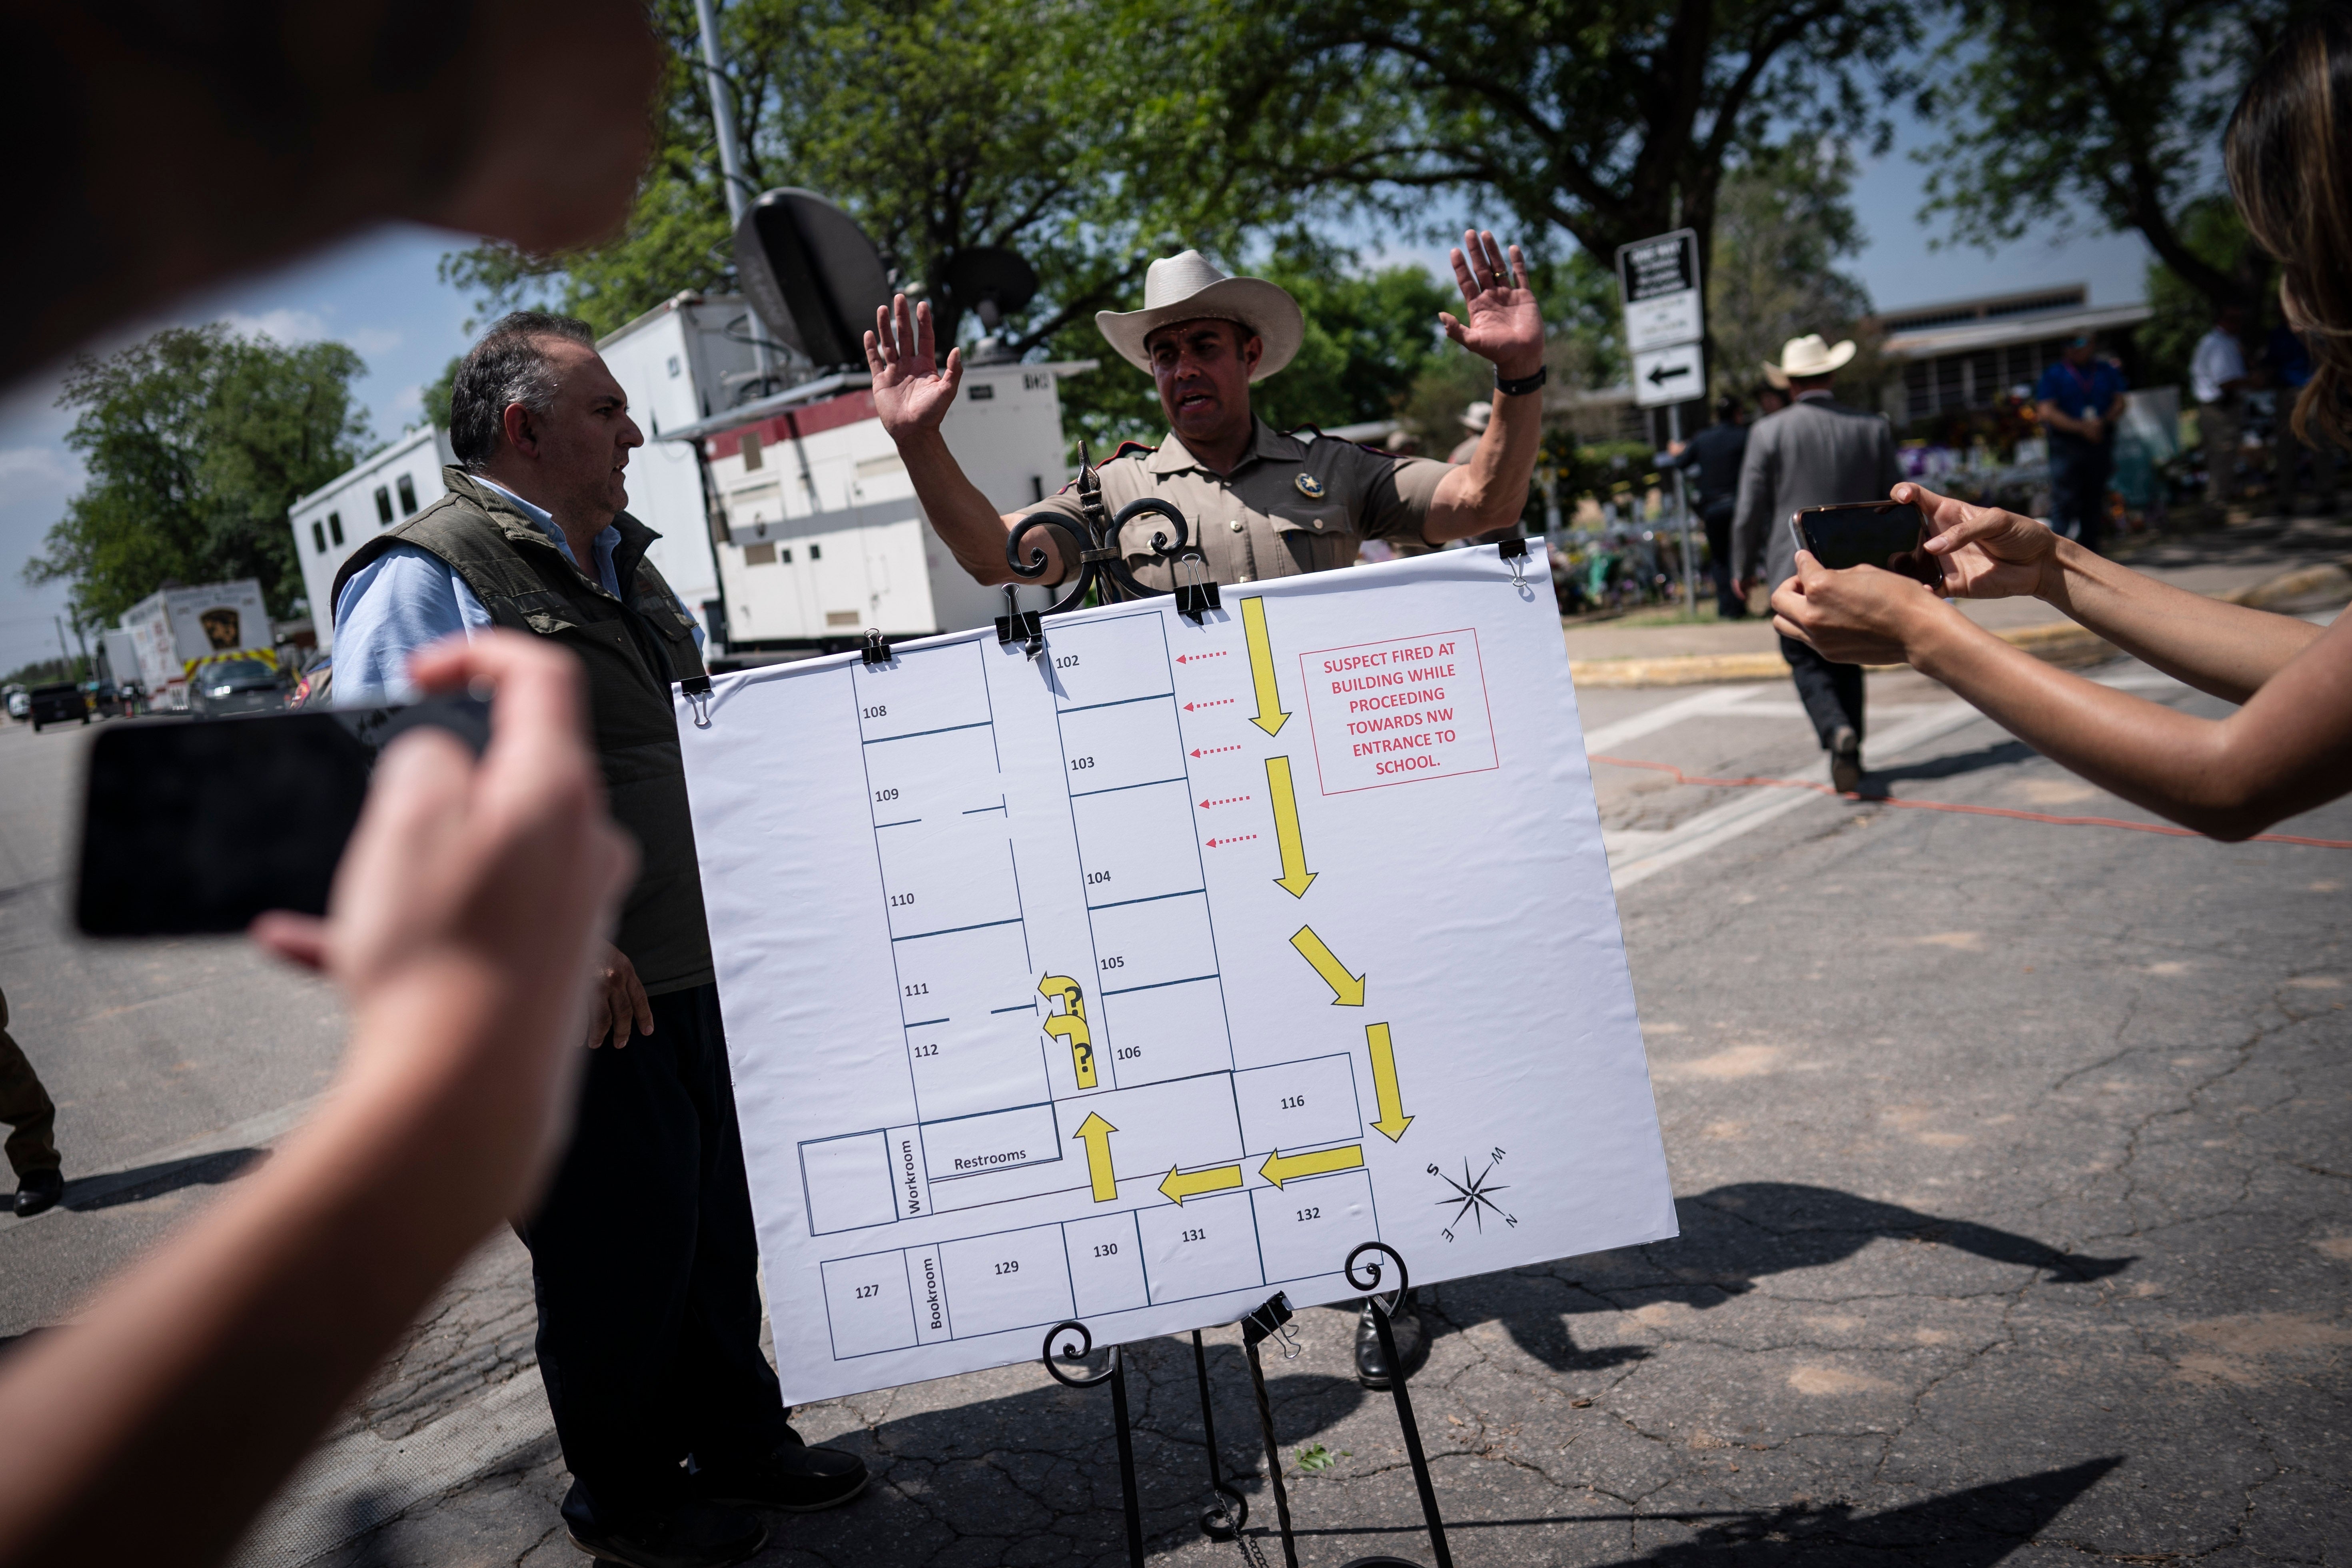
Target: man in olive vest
x=643, y=1256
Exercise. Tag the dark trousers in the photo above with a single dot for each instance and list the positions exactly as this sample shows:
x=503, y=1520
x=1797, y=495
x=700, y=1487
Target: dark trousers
x=1832, y=693
x=25, y=1107
x=646, y=1269
x=2078, y=490
x=1717, y=519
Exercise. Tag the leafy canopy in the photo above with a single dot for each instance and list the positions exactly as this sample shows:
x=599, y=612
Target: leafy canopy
x=197, y=441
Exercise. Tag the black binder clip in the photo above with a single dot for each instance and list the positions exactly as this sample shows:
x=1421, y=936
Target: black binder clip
x=1194, y=600
x=697, y=690
x=1270, y=1320
x=1019, y=625
x=875, y=650
x=1515, y=551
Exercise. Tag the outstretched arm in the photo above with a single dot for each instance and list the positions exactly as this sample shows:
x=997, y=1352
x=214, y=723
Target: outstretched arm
x=2287, y=750
x=912, y=394
x=463, y=921
x=2225, y=649
x=1502, y=323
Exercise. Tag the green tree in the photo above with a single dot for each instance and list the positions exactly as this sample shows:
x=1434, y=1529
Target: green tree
x=1609, y=120
x=2178, y=312
x=197, y=441
x=1783, y=224
x=2104, y=115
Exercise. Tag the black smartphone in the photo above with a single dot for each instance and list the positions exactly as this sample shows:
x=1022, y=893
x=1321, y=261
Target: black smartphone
x=1887, y=534
x=195, y=826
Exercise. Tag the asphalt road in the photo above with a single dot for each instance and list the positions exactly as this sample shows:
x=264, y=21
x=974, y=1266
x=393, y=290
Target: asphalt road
x=2011, y=1159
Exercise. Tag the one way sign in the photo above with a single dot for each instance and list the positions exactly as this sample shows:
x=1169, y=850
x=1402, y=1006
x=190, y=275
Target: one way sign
x=1668, y=375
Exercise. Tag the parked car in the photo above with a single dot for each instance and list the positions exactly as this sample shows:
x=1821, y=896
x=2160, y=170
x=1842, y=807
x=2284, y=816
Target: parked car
x=20, y=703
x=247, y=685
x=60, y=703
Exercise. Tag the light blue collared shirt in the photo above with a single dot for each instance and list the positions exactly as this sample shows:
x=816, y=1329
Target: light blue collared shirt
x=408, y=597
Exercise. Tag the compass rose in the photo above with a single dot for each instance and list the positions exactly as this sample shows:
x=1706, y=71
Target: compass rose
x=1473, y=1197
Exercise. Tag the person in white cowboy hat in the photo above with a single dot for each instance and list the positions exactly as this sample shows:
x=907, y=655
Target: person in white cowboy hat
x=1474, y=419
x=1816, y=452
x=1259, y=503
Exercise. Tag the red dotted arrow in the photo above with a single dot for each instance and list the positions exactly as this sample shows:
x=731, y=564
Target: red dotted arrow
x=1213, y=751
x=1213, y=702
x=1197, y=657
x=1229, y=800
x=1236, y=839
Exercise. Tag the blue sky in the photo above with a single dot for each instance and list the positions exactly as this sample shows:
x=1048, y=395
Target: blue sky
x=379, y=294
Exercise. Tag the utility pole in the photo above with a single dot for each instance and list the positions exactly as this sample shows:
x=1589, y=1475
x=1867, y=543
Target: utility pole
x=730, y=158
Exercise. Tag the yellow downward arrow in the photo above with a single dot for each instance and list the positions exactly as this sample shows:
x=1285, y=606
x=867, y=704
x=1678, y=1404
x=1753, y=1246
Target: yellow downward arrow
x=1393, y=1121
x=1278, y=1169
x=1347, y=990
x=1183, y=1185
x=1096, y=1132
x=1270, y=716
x=1295, y=875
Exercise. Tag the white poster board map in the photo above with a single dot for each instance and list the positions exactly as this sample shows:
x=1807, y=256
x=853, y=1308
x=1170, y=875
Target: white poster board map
x=1137, y=981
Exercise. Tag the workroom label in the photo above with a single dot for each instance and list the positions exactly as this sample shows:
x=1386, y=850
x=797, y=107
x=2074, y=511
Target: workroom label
x=1397, y=712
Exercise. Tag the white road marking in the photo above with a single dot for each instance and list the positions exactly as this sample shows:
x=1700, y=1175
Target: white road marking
x=1714, y=699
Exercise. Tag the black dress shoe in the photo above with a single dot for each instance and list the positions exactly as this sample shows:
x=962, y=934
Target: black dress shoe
x=690, y=1535
x=1845, y=760
x=791, y=1479
x=1372, y=1369
x=38, y=1191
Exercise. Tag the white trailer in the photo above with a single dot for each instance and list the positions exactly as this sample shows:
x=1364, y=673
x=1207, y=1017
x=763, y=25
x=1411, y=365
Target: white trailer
x=392, y=486
x=120, y=656
x=687, y=360
x=819, y=535
x=170, y=630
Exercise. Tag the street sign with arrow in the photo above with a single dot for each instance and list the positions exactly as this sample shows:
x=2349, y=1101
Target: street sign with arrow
x=1667, y=375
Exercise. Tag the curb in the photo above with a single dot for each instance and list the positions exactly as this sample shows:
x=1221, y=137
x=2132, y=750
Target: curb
x=2061, y=643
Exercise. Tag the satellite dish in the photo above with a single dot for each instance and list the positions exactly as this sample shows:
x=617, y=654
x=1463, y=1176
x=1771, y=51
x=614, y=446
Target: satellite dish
x=811, y=274
x=987, y=280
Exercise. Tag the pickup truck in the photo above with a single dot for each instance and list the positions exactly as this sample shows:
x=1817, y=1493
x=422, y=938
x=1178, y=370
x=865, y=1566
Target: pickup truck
x=57, y=703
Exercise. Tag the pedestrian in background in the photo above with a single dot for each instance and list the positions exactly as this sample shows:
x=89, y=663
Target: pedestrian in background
x=1712, y=460
x=2217, y=377
x=2080, y=398
x=2286, y=365
x=1816, y=452
x=32, y=1116
x=1474, y=419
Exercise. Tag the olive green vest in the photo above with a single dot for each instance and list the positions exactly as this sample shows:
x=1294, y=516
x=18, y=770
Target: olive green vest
x=634, y=648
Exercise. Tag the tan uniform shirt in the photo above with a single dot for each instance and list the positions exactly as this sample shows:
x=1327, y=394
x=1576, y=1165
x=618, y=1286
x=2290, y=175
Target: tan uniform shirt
x=1292, y=506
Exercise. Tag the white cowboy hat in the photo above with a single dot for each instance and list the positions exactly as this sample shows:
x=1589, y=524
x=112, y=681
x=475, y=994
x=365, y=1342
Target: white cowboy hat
x=1809, y=355
x=1477, y=417
x=1187, y=287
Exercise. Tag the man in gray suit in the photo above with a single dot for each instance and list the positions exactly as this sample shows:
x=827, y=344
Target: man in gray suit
x=1816, y=452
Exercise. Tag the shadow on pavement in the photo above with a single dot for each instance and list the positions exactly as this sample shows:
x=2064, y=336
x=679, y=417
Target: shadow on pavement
x=114, y=1188
x=2000, y=755
x=1732, y=1237
x=1971, y=1529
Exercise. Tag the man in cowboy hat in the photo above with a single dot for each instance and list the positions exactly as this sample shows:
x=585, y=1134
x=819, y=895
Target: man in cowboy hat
x=1816, y=452
x=1260, y=504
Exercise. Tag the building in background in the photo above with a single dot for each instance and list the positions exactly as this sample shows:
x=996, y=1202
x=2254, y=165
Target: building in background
x=1966, y=355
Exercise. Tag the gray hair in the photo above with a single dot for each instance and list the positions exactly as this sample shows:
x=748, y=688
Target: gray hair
x=509, y=364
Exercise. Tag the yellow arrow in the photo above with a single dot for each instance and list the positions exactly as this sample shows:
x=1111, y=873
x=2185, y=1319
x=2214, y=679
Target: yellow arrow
x=1071, y=1026
x=1393, y=1121
x=1347, y=990
x=1270, y=716
x=1295, y=875
x=1279, y=1170
x=1183, y=1185
x=1096, y=1134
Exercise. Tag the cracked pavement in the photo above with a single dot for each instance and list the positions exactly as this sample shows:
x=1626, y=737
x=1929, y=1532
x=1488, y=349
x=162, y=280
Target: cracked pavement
x=2011, y=1158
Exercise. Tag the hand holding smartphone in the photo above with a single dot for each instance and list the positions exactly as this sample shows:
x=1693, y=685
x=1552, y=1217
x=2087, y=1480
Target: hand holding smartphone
x=1889, y=535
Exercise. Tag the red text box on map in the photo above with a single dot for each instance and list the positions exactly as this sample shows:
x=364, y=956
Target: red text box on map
x=1394, y=711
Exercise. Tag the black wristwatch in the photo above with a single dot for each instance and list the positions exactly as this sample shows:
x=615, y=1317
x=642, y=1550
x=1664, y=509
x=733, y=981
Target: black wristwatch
x=1525, y=384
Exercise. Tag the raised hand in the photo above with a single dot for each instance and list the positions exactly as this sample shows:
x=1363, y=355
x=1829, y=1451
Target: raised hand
x=1500, y=319
x=912, y=392
x=1988, y=554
